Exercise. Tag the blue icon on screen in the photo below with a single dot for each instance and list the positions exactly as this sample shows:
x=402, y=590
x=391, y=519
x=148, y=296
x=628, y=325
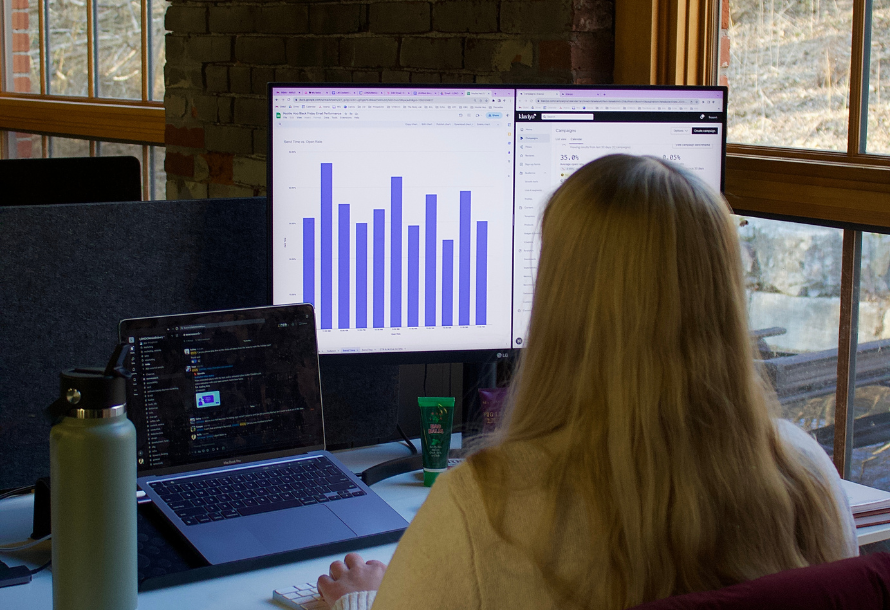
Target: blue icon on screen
x=493, y=115
x=207, y=399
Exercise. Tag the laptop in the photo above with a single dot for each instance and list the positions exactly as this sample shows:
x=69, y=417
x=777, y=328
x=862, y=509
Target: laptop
x=230, y=436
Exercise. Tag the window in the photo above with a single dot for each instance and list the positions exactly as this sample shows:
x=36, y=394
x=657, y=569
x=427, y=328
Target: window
x=88, y=70
x=809, y=130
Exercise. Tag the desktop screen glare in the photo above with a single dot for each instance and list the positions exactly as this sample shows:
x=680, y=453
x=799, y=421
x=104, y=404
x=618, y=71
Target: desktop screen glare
x=409, y=217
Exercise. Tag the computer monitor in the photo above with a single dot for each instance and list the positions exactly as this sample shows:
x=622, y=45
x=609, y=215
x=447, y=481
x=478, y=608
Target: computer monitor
x=409, y=215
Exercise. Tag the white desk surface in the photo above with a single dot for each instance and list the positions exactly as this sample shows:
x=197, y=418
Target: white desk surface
x=248, y=590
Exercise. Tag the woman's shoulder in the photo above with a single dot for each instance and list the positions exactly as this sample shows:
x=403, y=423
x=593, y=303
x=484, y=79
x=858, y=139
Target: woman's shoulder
x=814, y=458
x=806, y=448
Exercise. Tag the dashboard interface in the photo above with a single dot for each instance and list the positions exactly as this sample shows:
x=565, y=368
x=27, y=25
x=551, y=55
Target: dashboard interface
x=409, y=216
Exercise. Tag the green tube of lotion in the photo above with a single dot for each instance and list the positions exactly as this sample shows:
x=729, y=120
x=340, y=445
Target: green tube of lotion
x=436, y=416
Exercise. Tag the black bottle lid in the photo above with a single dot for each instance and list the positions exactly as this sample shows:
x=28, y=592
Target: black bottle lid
x=93, y=388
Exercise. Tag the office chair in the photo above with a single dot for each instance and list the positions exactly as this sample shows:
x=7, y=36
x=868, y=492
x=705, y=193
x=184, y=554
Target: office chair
x=858, y=583
x=70, y=180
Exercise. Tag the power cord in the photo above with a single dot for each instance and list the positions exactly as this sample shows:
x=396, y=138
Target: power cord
x=16, y=491
x=24, y=545
x=407, y=440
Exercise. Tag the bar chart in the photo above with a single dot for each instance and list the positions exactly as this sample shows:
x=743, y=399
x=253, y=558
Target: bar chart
x=398, y=232
x=355, y=257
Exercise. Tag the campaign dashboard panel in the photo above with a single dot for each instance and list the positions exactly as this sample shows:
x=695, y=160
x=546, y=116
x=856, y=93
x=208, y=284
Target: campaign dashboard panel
x=560, y=130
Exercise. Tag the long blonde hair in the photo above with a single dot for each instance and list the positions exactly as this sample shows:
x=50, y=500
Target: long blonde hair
x=638, y=352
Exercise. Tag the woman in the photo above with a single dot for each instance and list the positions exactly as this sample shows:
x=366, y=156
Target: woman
x=638, y=459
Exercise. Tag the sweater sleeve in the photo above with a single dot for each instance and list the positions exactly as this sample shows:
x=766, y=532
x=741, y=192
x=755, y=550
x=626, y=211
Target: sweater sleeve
x=434, y=565
x=358, y=600
x=818, y=462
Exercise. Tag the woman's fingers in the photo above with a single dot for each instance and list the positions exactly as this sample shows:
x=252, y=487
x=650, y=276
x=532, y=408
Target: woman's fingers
x=338, y=568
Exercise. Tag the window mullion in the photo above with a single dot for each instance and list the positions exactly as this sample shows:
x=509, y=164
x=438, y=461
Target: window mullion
x=42, y=43
x=858, y=79
x=848, y=335
x=91, y=50
x=147, y=172
x=146, y=48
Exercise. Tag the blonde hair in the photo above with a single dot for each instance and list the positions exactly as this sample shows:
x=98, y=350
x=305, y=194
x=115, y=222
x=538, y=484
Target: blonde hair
x=638, y=351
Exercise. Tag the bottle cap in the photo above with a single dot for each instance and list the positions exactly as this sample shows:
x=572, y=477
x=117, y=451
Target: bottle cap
x=88, y=392
x=90, y=388
x=429, y=477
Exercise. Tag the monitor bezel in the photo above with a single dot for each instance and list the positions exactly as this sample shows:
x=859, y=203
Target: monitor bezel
x=487, y=355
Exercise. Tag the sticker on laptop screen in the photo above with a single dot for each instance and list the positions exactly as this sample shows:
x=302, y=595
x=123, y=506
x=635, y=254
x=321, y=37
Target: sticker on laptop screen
x=207, y=399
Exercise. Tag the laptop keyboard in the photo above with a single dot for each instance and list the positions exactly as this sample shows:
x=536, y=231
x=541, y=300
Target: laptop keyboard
x=258, y=490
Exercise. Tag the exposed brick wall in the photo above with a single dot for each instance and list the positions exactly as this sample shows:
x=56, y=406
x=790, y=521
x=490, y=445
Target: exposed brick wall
x=221, y=54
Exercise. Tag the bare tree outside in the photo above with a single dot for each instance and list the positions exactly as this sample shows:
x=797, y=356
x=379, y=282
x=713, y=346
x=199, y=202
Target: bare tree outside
x=789, y=72
x=67, y=42
x=117, y=43
x=878, y=137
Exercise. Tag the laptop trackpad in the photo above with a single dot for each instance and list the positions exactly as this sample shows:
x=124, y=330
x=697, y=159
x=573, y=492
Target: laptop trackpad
x=297, y=528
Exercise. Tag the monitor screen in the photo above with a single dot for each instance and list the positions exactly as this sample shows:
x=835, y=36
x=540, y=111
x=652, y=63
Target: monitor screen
x=409, y=216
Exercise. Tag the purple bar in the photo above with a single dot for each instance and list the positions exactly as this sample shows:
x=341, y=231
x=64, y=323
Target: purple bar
x=463, y=292
x=481, y=271
x=327, y=244
x=343, y=267
x=429, y=272
x=361, y=275
x=379, y=254
x=395, y=287
x=447, y=282
x=309, y=260
x=413, y=274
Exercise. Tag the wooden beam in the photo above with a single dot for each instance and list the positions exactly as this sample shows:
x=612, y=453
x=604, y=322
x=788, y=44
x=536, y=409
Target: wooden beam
x=665, y=42
x=857, y=77
x=127, y=121
x=635, y=49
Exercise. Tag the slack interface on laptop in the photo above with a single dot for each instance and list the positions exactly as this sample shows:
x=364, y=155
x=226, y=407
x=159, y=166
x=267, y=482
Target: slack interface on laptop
x=207, y=389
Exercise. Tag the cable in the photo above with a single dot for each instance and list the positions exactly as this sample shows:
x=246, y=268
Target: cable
x=43, y=567
x=16, y=491
x=26, y=545
x=407, y=440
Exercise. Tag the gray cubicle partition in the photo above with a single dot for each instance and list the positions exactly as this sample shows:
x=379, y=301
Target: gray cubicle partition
x=69, y=273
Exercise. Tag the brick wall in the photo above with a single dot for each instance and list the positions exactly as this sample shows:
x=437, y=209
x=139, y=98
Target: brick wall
x=221, y=54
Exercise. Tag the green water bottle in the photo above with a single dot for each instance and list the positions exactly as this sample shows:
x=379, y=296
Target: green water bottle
x=93, y=490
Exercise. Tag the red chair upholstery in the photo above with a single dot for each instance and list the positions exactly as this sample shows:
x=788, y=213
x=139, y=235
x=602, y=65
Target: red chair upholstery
x=859, y=583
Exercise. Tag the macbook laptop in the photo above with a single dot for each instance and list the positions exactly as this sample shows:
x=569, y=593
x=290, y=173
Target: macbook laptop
x=230, y=435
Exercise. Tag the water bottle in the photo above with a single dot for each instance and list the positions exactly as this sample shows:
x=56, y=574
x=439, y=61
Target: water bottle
x=93, y=490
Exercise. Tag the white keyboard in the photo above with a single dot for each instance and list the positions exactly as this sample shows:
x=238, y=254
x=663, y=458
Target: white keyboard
x=300, y=597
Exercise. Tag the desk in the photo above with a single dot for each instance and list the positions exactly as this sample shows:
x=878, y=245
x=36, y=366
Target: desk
x=245, y=591
x=248, y=590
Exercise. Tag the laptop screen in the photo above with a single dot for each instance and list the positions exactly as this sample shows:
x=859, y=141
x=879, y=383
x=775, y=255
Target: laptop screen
x=214, y=388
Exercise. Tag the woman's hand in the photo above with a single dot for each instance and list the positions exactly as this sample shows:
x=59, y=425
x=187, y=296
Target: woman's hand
x=350, y=575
